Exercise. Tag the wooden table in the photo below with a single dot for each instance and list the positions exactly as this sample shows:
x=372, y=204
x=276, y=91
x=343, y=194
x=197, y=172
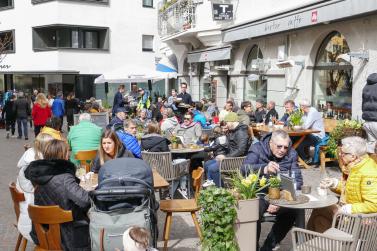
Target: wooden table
x=187, y=150
x=301, y=134
x=158, y=181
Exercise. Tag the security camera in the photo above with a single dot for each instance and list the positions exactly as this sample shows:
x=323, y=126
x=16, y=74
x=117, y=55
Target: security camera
x=343, y=58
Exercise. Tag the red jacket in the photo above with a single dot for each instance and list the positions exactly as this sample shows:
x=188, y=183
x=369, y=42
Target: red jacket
x=40, y=115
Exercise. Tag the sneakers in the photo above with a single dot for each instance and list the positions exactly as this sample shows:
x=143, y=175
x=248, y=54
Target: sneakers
x=183, y=192
x=208, y=183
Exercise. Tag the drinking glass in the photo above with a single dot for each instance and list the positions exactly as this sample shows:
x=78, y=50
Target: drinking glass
x=264, y=118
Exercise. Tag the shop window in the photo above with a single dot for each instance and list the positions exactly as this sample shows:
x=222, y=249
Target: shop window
x=6, y=4
x=7, y=41
x=147, y=42
x=148, y=3
x=255, y=81
x=332, y=88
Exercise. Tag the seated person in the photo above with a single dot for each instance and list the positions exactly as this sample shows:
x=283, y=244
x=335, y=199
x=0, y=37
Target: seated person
x=143, y=120
x=153, y=141
x=52, y=128
x=110, y=148
x=169, y=121
x=245, y=112
x=272, y=115
x=117, y=121
x=274, y=153
x=199, y=116
x=260, y=111
x=290, y=107
x=24, y=185
x=357, y=188
x=57, y=185
x=189, y=130
x=128, y=137
x=227, y=109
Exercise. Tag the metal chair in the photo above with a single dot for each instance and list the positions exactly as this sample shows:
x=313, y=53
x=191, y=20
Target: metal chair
x=367, y=240
x=342, y=236
x=86, y=158
x=229, y=166
x=163, y=163
x=17, y=197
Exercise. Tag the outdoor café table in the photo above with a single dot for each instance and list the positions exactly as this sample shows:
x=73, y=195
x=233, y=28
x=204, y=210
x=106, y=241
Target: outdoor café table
x=301, y=134
x=186, y=150
x=158, y=182
x=316, y=201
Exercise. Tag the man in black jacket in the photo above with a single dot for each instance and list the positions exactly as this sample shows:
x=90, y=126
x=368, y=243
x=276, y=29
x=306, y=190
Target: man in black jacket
x=22, y=111
x=272, y=115
x=369, y=109
x=186, y=97
x=10, y=118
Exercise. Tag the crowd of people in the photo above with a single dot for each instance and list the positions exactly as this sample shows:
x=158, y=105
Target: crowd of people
x=47, y=170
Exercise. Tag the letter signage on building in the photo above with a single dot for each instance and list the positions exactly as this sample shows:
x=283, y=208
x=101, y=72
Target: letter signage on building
x=222, y=11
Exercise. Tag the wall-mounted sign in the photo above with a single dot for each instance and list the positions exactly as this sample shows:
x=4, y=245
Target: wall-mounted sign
x=5, y=66
x=222, y=11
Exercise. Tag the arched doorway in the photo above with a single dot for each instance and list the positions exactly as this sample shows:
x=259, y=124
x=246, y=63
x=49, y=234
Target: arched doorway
x=255, y=82
x=332, y=88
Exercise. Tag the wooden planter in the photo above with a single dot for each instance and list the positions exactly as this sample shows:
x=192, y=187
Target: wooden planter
x=246, y=224
x=274, y=193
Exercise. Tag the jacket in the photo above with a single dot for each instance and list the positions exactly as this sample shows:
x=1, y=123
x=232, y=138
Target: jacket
x=155, y=143
x=58, y=107
x=115, y=124
x=54, y=133
x=200, y=118
x=169, y=124
x=84, y=136
x=186, y=98
x=56, y=184
x=144, y=101
x=260, y=155
x=190, y=133
x=243, y=117
x=271, y=113
x=238, y=141
x=8, y=111
x=219, y=146
x=361, y=187
x=121, y=153
x=368, y=106
x=21, y=108
x=118, y=102
x=130, y=143
x=40, y=115
x=259, y=115
x=72, y=106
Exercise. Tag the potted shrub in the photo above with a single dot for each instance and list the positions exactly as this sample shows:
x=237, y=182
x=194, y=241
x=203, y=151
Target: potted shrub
x=295, y=120
x=174, y=141
x=217, y=217
x=274, y=188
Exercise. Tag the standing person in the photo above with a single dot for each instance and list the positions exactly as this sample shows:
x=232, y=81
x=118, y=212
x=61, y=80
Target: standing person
x=186, y=97
x=272, y=115
x=10, y=117
x=22, y=111
x=369, y=110
x=50, y=99
x=144, y=102
x=118, y=99
x=71, y=108
x=172, y=99
x=260, y=112
x=41, y=113
x=58, y=107
x=34, y=96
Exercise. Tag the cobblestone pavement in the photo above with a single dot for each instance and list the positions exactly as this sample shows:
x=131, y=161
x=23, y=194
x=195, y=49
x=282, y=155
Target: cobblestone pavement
x=183, y=235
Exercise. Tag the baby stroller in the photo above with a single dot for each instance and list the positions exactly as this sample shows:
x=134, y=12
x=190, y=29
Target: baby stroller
x=124, y=198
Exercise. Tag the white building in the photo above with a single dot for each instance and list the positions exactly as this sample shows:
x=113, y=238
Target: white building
x=322, y=50
x=65, y=45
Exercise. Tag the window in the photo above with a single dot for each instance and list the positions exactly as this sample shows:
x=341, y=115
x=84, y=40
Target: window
x=63, y=37
x=90, y=1
x=148, y=3
x=7, y=41
x=6, y=4
x=332, y=79
x=147, y=43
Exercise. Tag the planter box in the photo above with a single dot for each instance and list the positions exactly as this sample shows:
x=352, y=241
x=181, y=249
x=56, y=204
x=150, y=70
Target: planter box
x=246, y=224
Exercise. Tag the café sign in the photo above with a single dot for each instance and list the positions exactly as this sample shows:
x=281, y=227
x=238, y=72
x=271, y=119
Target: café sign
x=222, y=11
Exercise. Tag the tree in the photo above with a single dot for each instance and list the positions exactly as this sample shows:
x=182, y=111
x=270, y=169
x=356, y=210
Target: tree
x=6, y=44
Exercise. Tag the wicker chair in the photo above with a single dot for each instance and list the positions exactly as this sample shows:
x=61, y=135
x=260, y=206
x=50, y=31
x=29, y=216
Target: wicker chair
x=163, y=163
x=229, y=166
x=342, y=236
x=367, y=240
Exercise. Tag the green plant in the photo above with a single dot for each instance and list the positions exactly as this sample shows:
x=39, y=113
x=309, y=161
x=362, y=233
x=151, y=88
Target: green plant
x=295, y=119
x=274, y=182
x=106, y=104
x=343, y=129
x=247, y=188
x=217, y=218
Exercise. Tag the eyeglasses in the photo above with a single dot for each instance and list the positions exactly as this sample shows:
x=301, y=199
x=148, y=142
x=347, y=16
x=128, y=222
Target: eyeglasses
x=186, y=118
x=344, y=153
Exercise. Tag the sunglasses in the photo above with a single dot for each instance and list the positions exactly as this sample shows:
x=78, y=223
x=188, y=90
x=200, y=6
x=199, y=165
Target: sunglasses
x=186, y=118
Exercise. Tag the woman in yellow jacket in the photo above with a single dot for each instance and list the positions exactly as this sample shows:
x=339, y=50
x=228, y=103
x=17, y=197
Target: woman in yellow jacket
x=357, y=188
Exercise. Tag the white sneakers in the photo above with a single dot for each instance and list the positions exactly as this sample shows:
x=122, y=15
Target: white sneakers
x=183, y=192
x=208, y=183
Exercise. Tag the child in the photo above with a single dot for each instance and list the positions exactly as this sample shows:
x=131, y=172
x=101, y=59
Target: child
x=203, y=140
x=136, y=239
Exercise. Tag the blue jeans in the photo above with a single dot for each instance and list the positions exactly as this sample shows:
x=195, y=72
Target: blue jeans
x=22, y=123
x=211, y=167
x=310, y=140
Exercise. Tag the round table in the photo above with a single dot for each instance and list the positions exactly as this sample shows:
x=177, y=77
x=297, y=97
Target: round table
x=187, y=150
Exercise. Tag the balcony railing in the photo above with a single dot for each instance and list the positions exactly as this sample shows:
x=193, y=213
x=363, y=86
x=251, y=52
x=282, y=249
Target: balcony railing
x=176, y=18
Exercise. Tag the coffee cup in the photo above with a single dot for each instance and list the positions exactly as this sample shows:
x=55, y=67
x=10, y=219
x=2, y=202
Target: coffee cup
x=305, y=189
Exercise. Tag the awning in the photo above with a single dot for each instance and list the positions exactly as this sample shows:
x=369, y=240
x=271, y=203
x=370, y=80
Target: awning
x=167, y=64
x=306, y=16
x=211, y=54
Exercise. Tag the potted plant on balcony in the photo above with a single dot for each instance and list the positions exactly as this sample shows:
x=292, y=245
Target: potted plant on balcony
x=295, y=120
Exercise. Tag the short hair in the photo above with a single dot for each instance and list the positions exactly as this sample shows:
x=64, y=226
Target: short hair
x=59, y=94
x=85, y=116
x=199, y=106
x=229, y=102
x=55, y=149
x=355, y=145
x=54, y=123
x=245, y=104
x=129, y=122
x=174, y=90
x=290, y=101
x=280, y=134
x=272, y=102
x=305, y=102
x=260, y=101
x=153, y=127
x=183, y=83
x=121, y=87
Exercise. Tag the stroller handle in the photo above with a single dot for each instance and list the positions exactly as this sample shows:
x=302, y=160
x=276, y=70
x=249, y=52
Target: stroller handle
x=134, y=191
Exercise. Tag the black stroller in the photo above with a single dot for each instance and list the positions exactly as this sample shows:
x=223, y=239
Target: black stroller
x=124, y=198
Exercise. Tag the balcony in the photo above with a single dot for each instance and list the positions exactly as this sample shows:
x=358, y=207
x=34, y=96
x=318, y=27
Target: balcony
x=176, y=17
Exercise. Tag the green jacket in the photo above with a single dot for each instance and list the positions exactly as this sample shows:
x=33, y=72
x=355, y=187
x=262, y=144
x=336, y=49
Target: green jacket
x=84, y=136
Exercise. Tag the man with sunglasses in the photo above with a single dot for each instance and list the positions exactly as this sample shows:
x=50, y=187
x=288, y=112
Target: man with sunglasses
x=274, y=154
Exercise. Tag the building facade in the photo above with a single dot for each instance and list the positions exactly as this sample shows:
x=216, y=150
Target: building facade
x=319, y=50
x=62, y=45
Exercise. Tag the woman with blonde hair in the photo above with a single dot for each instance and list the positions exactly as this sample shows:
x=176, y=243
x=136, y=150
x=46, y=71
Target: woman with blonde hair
x=41, y=113
x=110, y=148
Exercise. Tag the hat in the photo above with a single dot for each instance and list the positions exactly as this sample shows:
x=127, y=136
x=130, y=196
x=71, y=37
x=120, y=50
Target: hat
x=121, y=109
x=231, y=117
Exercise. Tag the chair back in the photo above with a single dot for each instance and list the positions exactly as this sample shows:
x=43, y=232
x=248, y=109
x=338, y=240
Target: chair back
x=86, y=158
x=348, y=223
x=197, y=181
x=367, y=240
x=17, y=197
x=161, y=161
x=209, y=132
x=231, y=164
x=53, y=216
